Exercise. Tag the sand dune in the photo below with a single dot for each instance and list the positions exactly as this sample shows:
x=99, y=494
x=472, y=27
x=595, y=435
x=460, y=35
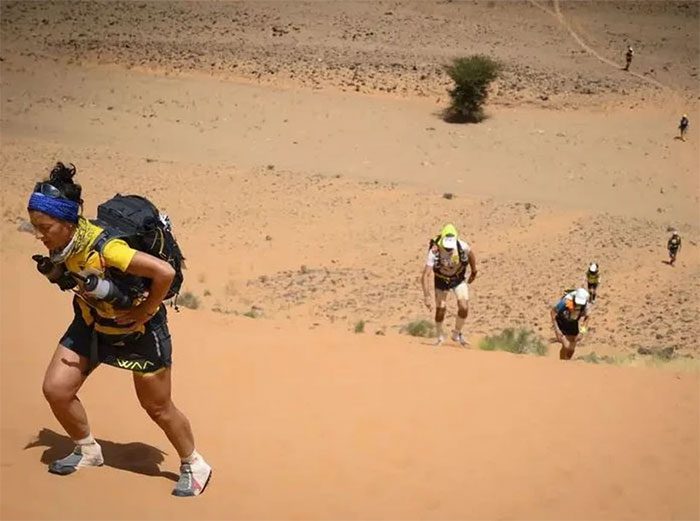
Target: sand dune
x=327, y=425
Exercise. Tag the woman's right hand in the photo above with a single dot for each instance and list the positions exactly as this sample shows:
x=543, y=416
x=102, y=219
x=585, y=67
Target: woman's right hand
x=428, y=302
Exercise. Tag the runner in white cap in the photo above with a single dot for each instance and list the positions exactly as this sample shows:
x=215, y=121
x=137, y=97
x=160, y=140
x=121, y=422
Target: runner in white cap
x=565, y=318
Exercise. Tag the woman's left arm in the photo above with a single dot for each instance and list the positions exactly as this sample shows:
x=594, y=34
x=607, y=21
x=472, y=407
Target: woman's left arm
x=161, y=275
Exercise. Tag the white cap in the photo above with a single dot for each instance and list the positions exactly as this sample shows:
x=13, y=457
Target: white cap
x=593, y=267
x=675, y=232
x=581, y=297
x=449, y=242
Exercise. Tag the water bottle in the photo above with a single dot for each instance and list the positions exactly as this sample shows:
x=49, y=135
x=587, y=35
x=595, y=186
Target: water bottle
x=56, y=273
x=104, y=289
x=46, y=267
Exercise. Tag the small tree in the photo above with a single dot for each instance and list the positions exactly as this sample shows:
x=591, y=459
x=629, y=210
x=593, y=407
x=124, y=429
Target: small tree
x=472, y=76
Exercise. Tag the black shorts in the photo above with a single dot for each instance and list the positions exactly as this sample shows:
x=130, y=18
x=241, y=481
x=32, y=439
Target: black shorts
x=446, y=285
x=139, y=352
x=568, y=327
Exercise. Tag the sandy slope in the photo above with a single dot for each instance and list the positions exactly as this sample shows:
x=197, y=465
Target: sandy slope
x=322, y=425
x=313, y=207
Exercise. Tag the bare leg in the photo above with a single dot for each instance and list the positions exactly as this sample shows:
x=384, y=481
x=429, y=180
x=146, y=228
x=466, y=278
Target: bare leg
x=462, y=313
x=153, y=392
x=440, y=311
x=64, y=377
x=567, y=351
x=592, y=291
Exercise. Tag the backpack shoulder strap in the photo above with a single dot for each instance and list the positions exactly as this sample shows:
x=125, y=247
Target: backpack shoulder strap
x=462, y=256
x=101, y=242
x=433, y=245
x=98, y=245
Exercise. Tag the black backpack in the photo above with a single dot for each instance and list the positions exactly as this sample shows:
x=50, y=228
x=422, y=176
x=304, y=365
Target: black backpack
x=138, y=222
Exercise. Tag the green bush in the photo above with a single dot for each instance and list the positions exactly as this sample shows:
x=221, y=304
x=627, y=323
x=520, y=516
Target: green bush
x=253, y=312
x=472, y=76
x=423, y=328
x=595, y=358
x=360, y=327
x=518, y=341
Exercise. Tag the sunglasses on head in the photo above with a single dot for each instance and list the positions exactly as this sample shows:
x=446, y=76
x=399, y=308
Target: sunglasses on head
x=48, y=190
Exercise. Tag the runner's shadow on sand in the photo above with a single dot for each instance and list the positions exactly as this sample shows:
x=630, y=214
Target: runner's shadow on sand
x=133, y=457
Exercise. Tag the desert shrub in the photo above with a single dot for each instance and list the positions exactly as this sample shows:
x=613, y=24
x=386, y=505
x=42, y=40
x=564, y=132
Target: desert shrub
x=423, y=328
x=360, y=326
x=188, y=300
x=472, y=76
x=518, y=341
x=253, y=312
x=591, y=358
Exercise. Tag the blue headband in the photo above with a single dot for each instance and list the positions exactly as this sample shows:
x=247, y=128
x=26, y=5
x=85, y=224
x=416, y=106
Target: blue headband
x=57, y=207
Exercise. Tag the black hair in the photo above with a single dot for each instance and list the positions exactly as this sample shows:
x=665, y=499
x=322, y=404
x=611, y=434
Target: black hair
x=61, y=177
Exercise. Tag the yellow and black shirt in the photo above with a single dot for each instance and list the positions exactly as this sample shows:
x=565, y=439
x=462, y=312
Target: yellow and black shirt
x=84, y=260
x=593, y=278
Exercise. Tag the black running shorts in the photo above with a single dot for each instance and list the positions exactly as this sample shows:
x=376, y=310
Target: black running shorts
x=568, y=327
x=139, y=352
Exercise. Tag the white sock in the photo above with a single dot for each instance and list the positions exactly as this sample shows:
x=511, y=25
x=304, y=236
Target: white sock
x=191, y=458
x=89, y=446
x=88, y=440
x=438, y=328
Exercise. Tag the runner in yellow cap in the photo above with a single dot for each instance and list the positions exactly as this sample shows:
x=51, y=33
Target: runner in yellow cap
x=447, y=261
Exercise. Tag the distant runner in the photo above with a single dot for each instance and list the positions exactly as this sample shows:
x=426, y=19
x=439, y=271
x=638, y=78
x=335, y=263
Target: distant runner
x=674, y=246
x=628, y=57
x=683, y=126
x=593, y=278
